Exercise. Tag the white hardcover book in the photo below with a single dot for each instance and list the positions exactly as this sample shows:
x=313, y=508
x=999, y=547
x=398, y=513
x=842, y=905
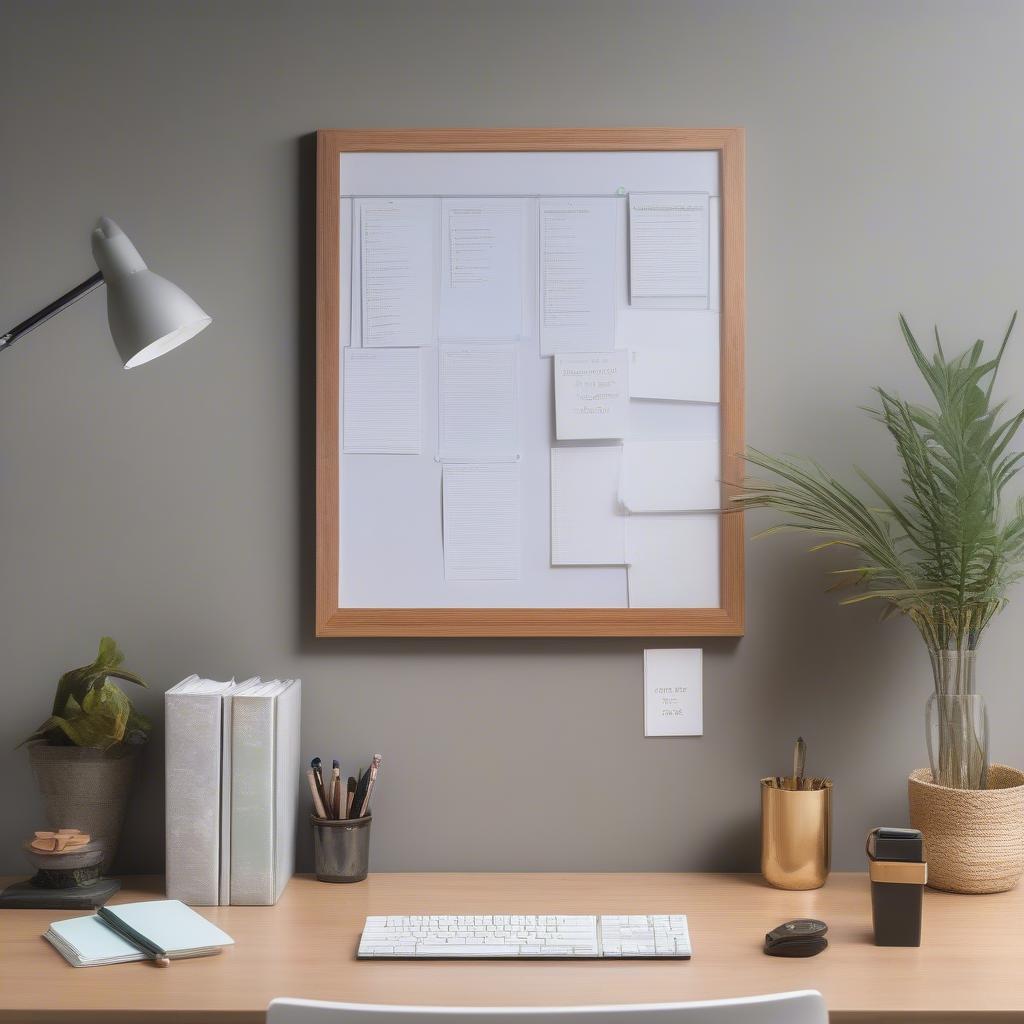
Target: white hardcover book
x=225, y=802
x=194, y=719
x=264, y=789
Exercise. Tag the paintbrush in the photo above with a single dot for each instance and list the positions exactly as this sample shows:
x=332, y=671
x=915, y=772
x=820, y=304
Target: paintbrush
x=799, y=762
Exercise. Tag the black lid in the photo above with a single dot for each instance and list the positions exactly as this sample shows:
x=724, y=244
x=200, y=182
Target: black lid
x=905, y=844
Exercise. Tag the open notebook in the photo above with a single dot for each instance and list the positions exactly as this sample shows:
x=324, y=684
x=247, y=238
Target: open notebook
x=169, y=924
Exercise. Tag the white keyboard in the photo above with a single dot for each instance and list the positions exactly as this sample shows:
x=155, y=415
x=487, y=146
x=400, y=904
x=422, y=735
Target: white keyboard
x=552, y=936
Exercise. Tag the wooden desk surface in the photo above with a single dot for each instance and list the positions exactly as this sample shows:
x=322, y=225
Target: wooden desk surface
x=970, y=967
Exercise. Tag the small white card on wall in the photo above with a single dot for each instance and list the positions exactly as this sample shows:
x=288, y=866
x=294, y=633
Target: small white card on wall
x=673, y=692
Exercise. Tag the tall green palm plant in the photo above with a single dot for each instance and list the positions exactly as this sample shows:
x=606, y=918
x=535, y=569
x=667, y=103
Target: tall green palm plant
x=942, y=552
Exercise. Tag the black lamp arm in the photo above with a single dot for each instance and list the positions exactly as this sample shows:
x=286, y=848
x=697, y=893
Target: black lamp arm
x=55, y=307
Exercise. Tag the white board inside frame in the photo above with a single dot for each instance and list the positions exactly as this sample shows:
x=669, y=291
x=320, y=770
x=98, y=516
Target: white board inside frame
x=391, y=505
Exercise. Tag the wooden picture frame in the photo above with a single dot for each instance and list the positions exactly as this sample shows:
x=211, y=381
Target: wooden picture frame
x=333, y=621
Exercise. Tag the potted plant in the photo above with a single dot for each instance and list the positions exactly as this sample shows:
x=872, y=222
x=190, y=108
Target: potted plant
x=943, y=553
x=84, y=755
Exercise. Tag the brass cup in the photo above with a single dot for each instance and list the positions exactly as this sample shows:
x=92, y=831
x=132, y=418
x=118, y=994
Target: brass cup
x=796, y=836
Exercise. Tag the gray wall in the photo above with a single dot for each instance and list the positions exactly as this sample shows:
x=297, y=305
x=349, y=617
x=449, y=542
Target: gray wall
x=172, y=506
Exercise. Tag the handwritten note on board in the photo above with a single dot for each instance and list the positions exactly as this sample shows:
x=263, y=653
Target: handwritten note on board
x=591, y=395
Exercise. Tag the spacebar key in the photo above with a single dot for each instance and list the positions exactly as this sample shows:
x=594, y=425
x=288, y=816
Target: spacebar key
x=454, y=950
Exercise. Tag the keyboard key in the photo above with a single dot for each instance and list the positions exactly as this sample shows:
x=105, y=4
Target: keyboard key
x=455, y=950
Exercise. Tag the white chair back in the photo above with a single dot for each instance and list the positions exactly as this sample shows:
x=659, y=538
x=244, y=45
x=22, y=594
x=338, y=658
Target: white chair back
x=782, y=1008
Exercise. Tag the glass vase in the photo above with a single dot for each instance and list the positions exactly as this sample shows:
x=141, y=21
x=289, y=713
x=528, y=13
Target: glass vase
x=957, y=723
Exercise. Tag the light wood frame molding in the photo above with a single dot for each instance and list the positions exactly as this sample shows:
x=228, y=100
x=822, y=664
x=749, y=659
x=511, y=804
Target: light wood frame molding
x=333, y=621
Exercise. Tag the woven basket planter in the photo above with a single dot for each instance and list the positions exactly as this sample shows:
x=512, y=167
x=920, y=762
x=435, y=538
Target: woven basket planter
x=974, y=838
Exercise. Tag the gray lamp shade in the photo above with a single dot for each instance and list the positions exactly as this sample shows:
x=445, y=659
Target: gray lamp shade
x=148, y=315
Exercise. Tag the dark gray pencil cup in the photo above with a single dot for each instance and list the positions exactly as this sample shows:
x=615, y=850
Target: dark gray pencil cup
x=341, y=849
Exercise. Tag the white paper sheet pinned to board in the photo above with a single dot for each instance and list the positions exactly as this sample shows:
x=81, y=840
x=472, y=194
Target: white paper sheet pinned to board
x=673, y=560
x=675, y=374
x=591, y=395
x=670, y=476
x=397, y=271
x=482, y=269
x=478, y=403
x=578, y=240
x=587, y=525
x=382, y=412
x=668, y=246
x=481, y=510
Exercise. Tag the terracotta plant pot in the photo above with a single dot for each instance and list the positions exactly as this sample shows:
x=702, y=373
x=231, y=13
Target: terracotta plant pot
x=974, y=838
x=85, y=789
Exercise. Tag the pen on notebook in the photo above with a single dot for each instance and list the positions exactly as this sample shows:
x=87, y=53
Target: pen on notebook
x=137, y=939
x=318, y=804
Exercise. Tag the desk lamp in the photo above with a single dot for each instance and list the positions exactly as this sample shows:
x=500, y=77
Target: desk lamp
x=148, y=315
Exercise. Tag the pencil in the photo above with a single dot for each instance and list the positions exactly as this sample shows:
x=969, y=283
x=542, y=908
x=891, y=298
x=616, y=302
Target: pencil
x=336, y=790
x=318, y=775
x=318, y=804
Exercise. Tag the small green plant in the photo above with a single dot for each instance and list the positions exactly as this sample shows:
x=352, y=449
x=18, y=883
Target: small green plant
x=91, y=711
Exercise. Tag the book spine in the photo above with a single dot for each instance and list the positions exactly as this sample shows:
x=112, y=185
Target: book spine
x=193, y=797
x=225, y=803
x=253, y=770
x=286, y=803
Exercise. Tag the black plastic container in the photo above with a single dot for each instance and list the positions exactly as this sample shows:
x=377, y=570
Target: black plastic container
x=898, y=872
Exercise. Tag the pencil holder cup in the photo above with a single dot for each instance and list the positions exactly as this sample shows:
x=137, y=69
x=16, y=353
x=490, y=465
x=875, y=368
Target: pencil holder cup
x=796, y=836
x=341, y=849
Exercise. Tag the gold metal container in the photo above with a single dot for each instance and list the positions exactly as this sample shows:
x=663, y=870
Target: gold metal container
x=796, y=836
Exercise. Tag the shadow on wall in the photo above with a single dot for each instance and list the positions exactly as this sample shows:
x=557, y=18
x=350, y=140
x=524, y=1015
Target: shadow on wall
x=305, y=457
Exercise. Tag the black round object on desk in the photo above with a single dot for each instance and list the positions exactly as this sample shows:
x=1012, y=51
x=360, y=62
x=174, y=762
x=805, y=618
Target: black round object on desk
x=799, y=938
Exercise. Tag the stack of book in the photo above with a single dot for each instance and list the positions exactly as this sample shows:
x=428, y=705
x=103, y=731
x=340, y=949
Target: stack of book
x=232, y=780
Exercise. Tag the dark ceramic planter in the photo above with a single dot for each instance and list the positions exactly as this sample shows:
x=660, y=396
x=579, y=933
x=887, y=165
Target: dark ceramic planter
x=85, y=789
